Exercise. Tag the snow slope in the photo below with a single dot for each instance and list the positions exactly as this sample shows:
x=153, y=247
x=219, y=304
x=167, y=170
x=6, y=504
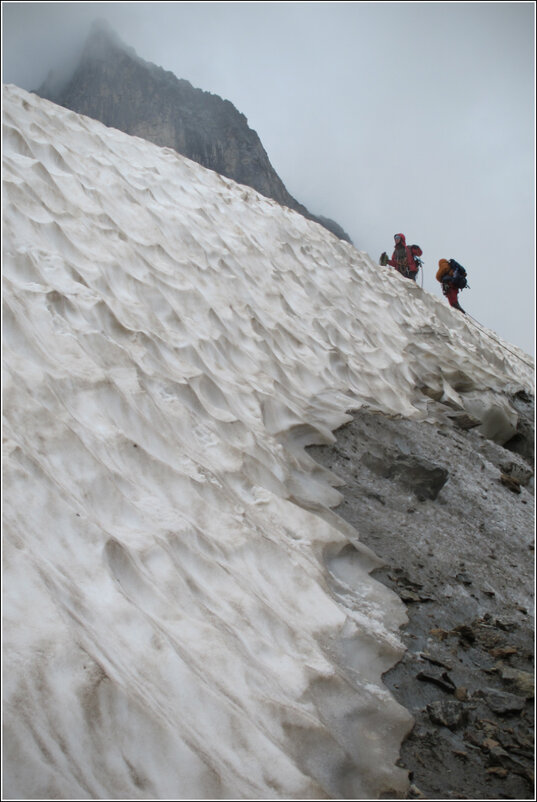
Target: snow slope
x=184, y=616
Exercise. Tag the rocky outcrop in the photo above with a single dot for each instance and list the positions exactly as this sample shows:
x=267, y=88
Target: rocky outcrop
x=451, y=514
x=113, y=85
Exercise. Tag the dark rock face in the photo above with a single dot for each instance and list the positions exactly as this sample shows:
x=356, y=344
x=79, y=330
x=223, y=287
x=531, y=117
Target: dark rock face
x=113, y=85
x=422, y=477
x=523, y=442
x=429, y=499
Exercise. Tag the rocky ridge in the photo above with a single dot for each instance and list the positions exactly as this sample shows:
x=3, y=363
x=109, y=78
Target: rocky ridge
x=114, y=85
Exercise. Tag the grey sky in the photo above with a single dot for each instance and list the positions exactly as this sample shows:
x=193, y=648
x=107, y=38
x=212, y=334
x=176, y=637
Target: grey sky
x=386, y=117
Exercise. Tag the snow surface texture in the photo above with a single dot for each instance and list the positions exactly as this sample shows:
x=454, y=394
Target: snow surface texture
x=184, y=615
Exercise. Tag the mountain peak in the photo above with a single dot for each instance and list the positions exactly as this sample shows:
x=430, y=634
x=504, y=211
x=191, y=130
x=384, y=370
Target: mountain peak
x=103, y=41
x=114, y=85
x=100, y=38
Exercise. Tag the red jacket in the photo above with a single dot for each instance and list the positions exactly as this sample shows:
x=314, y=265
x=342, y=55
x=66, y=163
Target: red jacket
x=403, y=260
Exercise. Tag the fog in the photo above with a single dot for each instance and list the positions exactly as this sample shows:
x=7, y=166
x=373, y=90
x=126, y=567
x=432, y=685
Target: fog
x=385, y=117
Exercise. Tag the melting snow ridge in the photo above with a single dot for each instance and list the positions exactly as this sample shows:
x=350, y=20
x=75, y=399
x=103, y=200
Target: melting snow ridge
x=174, y=619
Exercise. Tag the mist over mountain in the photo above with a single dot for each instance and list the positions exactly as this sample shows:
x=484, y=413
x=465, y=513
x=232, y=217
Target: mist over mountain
x=112, y=84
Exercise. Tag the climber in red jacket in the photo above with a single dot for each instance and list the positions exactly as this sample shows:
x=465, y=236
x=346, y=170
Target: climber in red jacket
x=404, y=258
x=445, y=275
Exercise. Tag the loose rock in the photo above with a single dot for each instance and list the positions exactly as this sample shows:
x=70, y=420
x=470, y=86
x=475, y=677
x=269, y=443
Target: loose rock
x=442, y=679
x=448, y=713
x=501, y=702
x=498, y=771
x=512, y=484
x=522, y=681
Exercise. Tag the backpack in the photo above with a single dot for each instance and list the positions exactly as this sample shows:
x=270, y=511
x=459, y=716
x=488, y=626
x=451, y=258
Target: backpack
x=416, y=252
x=458, y=278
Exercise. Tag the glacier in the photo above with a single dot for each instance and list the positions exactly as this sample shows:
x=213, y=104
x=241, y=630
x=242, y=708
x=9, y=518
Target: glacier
x=184, y=614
